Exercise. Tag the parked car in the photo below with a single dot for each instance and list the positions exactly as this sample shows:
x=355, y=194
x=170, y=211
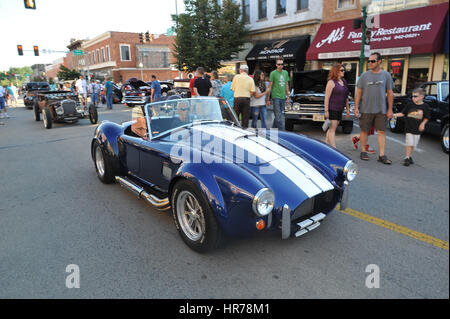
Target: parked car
x=308, y=101
x=218, y=179
x=181, y=88
x=137, y=92
x=63, y=107
x=31, y=89
x=437, y=98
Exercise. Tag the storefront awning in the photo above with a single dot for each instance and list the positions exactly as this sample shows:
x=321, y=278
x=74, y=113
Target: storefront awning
x=285, y=48
x=413, y=31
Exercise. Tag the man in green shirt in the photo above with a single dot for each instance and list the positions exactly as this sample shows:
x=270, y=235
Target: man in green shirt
x=279, y=87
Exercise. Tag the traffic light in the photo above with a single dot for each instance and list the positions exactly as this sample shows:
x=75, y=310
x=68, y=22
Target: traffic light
x=147, y=36
x=141, y=37
x=30, y=4
x=20, y=49
x=36, y=50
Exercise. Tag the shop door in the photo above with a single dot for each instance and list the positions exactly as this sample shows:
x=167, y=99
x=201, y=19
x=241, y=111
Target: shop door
x=396, y=68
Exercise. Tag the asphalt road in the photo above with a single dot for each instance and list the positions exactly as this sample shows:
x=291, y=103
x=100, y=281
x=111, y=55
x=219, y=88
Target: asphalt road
x=54, y=212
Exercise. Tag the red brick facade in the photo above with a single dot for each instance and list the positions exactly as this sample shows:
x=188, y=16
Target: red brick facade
x=103, y=54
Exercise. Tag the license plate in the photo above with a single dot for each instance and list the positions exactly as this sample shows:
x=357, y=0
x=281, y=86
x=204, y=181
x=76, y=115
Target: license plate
x=318, y=117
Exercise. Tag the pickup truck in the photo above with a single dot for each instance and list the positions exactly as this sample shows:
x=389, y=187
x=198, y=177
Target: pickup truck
x=437, y=98
x=308, y=101
x=31, y=89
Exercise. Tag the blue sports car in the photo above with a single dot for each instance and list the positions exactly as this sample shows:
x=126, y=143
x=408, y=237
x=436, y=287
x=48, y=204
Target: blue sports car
x=192, y=156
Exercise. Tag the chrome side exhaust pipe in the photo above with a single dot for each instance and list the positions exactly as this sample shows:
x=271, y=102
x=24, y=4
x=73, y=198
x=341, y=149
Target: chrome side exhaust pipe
x=158, y=203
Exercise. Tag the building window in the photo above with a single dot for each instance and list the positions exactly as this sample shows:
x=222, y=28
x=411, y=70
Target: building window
x=302, y=4
x=345, y=4
x=125, y=52
x=98, y=56
x=262, y=9
x=90, y=59
x=246, y=11
x=154, y=58
x=103, y=55
x=107, y=53
x=378, y=6
x=281, y=7
x=93, y=57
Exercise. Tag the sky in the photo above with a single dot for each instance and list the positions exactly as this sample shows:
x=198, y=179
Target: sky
x=55, y=22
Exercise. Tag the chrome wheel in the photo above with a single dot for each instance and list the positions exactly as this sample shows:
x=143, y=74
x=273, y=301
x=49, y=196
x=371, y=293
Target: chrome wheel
x=99, y=161
x=445, y=138
x=190, y=216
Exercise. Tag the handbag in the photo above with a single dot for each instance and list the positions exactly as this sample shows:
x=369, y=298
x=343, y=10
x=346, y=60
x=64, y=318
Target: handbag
x=326, y=125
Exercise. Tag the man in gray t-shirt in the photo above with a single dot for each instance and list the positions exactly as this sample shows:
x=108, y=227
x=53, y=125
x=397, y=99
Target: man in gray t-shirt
x=372, y=88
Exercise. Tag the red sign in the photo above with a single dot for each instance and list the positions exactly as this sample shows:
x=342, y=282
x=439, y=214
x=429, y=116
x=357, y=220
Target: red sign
x=412, y=31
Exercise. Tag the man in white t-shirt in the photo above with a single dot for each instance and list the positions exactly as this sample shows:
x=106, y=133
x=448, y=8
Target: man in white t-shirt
x=81, y=87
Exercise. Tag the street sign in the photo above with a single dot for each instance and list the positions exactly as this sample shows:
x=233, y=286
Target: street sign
x=77, y=52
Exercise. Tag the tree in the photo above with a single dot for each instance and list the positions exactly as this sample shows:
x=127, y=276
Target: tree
x=208, y=34
x=67, y=74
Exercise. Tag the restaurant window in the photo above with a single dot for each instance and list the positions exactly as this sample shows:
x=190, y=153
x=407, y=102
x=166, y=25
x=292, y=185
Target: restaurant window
x=246, y=11
x=396, y=69
x=377, y=6
x=281, y=7
x=418, y=70
x=262, y=9
x=345, y=4
x=125, y=52
x=302, y=4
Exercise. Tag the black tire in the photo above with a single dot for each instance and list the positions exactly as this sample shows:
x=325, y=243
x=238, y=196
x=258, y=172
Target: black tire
x=211, y=236
x=444, y=138
x=102, y=163
x=37, y=113
x=347, y=127
x=47, y=118
x=289, y=125
x=93, y=114
x=396, y=125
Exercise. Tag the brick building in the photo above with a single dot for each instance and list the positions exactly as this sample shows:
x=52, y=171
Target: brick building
x=52, y=69
x=75, y=61
x=118, y=55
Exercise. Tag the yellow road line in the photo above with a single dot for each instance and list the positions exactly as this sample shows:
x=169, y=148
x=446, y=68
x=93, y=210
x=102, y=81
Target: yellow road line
x=397, y=228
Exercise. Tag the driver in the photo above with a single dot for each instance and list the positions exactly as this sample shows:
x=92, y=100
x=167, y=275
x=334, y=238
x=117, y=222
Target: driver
x=139, y=123
x=183, y=113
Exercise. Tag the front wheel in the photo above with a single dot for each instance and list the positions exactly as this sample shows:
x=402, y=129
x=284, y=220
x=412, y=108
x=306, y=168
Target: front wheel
x=103, y=166
x=194, y=218
x=47, y=118
x=444, y=138
x=37, y=113
x=93, y=114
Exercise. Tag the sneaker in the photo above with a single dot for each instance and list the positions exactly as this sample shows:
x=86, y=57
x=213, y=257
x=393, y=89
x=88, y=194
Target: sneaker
x=411, y=160
x=370, y=150
x=355, y=140
x=406, y=162
x=6, y=116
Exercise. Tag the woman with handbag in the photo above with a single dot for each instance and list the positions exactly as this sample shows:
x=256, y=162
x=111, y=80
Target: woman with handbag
x=336, y=99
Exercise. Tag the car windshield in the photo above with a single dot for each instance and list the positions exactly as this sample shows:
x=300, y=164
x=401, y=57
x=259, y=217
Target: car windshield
x=444, y=88
x=169, y=115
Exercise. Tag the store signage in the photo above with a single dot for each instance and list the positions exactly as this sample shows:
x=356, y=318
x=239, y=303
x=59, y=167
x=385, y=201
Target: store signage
x=276, y=48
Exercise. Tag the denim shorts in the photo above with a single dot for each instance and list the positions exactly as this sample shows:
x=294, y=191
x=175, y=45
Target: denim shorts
x=2, y=103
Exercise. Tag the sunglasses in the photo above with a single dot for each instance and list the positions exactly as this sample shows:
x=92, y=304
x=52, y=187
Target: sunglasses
x=372, y=61
x=415, y=95
x=342, y=70
x=184, y=109
x=279, y=63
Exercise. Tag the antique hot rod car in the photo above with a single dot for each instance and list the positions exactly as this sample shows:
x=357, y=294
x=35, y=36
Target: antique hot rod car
x=218, y=179
x=31, y=90
x=61, y=106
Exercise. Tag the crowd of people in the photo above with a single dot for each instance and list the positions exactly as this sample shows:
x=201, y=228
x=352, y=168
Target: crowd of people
x=8, y=97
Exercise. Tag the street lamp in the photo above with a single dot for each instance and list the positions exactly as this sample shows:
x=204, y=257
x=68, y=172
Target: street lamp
x=364, y=4
x=141, y=66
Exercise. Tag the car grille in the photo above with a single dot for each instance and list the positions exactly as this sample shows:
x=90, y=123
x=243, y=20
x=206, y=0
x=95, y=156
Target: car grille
x=69, y=107
x=321, y=203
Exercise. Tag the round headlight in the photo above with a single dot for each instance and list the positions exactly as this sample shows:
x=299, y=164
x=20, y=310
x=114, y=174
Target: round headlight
x=288, y=107
x=263, y=202
x=59, y=110
x=350, y=170
x=296, y=106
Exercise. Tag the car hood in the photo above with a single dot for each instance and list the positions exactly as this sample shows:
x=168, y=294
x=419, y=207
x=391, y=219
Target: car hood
x=273, y=164
x=136, y=83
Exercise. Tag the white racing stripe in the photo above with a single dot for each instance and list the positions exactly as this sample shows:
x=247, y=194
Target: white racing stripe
x=296, y=169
